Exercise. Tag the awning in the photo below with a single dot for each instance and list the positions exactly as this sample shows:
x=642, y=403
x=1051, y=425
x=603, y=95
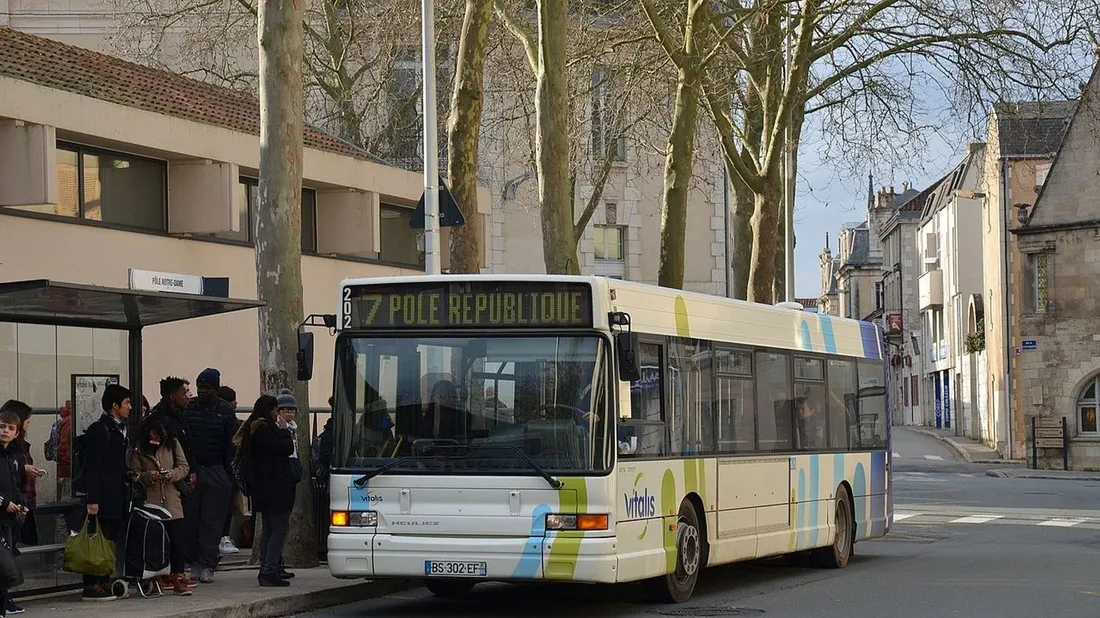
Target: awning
x=87, y=306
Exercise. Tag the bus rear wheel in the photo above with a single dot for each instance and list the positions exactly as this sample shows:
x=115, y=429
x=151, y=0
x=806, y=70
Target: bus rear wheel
x=678, y=586
x=837, y=555
x=449, y=588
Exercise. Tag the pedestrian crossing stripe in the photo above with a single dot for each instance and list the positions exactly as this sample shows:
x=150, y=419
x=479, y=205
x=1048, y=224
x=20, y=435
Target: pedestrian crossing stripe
x=1064, y=523
x=976, y=519
x=926, y=519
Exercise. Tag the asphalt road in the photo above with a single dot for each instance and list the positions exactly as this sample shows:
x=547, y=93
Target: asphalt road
x=966, y=545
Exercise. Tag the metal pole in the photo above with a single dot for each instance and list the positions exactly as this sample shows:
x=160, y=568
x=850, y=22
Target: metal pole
x=432, y=263
x=788, y=173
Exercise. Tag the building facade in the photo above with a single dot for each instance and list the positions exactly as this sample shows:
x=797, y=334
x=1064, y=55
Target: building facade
x=901, y=321
x=1057, y=363
x=628, y=204
x=1023, y=139
x=950, y=280
x=106, y=166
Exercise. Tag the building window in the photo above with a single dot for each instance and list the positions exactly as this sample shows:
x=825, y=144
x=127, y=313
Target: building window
x=250, y=202
x=400, y=243
x=1087, y=404
x=309, y=221
x=609, y=240
x=1040, y=282
x=403, y=98
x=603, y=117
x=879, y=297
x=113, y=188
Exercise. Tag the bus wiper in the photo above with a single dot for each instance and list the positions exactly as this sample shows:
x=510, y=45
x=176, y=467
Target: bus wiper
x=361, y=482
x=555, y=483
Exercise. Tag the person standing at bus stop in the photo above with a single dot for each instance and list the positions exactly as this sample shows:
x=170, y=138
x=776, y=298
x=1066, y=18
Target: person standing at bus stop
x=267, y=445
x=209, y=426
x=106, y=475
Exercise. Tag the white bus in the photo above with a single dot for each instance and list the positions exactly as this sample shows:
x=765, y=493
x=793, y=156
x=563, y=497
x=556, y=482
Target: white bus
x=583, y=429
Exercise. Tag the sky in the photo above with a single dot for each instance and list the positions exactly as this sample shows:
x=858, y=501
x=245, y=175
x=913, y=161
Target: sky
x=832, y=189
x=830, y=195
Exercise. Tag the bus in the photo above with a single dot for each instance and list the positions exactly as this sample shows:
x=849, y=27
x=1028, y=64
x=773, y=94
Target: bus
x=594, y=430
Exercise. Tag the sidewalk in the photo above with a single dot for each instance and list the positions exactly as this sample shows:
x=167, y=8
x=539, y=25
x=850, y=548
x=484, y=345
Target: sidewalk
x=234, y=594
x=971, y=451
x=1058, y=475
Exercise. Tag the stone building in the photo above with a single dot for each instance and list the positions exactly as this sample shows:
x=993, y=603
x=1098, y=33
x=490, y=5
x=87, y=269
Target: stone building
x=1022, y=140
x=901, y=315
x=1058, y=240
x=951, y=276
x=828, y=302
x=859, y=269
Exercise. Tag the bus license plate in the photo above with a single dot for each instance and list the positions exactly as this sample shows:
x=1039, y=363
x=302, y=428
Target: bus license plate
x=452, y=568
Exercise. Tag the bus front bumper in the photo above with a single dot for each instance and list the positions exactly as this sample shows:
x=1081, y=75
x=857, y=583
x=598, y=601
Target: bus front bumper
x=359, y=555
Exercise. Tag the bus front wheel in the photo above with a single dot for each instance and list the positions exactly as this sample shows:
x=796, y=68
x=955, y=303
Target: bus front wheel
x=836, y=556
x=678, y=586
x=449, y=588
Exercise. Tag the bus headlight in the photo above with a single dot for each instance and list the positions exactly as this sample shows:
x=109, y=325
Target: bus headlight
x=355, y=519
x=576, y=522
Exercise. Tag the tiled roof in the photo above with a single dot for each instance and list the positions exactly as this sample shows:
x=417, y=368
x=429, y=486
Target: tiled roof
x=55, y=65
x=1032, y=127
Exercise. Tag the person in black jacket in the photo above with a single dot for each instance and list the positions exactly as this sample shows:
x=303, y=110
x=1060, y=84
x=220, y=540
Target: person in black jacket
x=107, y=476
x=209, y=423
x=267, y=445
x=12, y=505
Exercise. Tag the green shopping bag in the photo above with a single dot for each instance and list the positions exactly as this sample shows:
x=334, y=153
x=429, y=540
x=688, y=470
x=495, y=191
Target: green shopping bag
x=90, y=554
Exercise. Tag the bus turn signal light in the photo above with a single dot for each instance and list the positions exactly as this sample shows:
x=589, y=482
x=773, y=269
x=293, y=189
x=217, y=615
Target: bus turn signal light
x=339, y=518
x=591, y=522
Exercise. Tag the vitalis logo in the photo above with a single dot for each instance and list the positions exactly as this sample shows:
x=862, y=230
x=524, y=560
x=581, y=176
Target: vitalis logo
x=640, y=505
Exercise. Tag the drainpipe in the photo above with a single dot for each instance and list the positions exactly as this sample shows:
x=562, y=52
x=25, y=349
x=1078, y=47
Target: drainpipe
x=1010, y=415
x=726, y=222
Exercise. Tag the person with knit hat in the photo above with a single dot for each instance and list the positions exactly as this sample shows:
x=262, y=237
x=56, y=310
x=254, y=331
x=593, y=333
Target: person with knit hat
x=288, y=413
x=210, y=425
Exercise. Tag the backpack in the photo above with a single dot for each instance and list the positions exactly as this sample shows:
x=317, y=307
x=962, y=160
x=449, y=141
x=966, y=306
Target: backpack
x=239, y=468
x=50, y=447
x=80, y=445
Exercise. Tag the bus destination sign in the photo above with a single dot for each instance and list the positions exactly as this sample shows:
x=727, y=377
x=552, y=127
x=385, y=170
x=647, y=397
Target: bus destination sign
x=467, y=304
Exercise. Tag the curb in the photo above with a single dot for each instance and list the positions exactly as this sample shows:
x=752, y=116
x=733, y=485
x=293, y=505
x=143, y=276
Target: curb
x=1039, y=475
x=305, y=602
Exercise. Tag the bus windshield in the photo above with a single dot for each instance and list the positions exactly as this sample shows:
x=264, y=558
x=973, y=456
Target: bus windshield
x=461, y=404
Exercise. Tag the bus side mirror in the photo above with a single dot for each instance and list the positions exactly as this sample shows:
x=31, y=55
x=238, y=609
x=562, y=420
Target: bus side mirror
x=305, y=356
x=628, y=363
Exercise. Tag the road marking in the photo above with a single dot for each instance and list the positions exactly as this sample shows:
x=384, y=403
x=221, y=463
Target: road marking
x=1060, y=522
x=934, y=457
x=901, y=516
x=897, y=454
x=976, y=519
x=965, y=475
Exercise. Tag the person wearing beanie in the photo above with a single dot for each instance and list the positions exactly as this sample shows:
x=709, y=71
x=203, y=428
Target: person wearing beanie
x=288, y=413
x=210, y=426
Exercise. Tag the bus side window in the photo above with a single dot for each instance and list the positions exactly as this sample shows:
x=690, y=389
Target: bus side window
x=646, y=403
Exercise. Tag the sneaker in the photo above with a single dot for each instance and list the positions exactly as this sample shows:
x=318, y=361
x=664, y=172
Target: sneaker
x=207, y=576
x=13, y=608
x=97, y=593
x=226, y=547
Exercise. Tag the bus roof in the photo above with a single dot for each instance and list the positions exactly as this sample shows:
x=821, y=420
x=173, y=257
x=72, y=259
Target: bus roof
x=680, y=313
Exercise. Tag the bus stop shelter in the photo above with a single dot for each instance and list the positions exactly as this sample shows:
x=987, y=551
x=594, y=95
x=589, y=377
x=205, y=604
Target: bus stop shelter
x=53, y=303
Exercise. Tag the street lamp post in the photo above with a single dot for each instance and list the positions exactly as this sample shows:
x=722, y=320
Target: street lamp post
x=432, y=263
